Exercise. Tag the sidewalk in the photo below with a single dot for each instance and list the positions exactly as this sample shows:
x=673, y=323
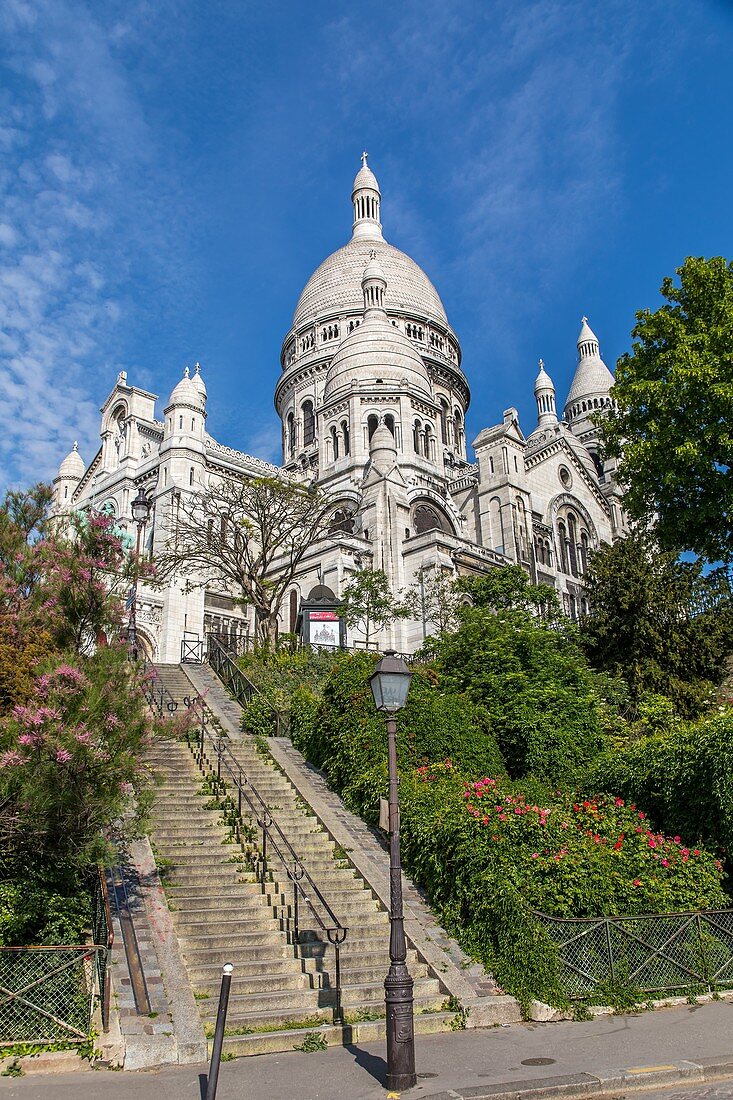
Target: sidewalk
x=608, y=1054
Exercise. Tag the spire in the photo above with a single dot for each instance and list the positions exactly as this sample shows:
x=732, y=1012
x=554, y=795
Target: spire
x=587, y=341
x=544, y=393
x=373, y=284
x=592, y=382
x=198, y=381
x=366, y=197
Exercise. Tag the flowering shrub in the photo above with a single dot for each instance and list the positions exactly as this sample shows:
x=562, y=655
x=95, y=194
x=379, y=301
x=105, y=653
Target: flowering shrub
x=71, y=768
x=490, y=851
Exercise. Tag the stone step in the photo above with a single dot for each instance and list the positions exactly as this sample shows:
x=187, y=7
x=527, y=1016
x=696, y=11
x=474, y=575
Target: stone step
x=275, y=984
x=363, y=1031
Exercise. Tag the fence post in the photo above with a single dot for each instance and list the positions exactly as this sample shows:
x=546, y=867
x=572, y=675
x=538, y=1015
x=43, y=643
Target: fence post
x=610, y=949
x=221, y=1018
x=703, y=961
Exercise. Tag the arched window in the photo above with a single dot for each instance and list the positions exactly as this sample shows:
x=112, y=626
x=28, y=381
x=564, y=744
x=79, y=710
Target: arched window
x=583, y=551
x=573, y=543
x=562, y=537
x=343, y=520
x=389, y=422
x=290, y=433
x=444, y=413
x=427, y=518
x=416, y=433
x=458, y=418
x=293, y=610
x=428, y=442
x=309, y=423
x=191, y=475
x=372, y=424
x=334, y=443
x=345, y=435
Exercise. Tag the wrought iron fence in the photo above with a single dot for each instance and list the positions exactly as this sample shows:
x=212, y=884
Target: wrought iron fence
x=192, y=651
x=658, y=953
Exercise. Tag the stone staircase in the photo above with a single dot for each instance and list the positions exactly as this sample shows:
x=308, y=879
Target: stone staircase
x=222, y=914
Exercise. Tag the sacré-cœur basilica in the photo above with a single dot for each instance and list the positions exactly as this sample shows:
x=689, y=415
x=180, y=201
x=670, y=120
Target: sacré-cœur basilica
x=372, y=397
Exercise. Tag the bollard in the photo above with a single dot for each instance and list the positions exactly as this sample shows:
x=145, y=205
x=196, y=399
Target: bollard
x=221, y=1019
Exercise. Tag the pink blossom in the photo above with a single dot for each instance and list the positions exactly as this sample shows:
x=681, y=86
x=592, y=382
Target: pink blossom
x=665, y=863
x=535, y=855
x=10, y=759
x=63, y=756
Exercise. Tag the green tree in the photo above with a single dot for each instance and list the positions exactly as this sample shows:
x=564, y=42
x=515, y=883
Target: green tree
x=434, y=599
x=670, y=424
x=509, y=588
x=368, y=602
x=534, y=681
x=657, y=622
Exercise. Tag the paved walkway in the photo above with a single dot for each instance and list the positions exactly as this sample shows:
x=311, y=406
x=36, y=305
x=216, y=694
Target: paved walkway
x=613, y=1054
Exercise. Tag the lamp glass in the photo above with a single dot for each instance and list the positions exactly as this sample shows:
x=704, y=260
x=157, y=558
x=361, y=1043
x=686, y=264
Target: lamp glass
x=140, y=508
x=390, y=685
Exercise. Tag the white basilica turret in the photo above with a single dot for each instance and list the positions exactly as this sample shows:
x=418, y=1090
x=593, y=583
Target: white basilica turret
x=544, y=395
x=71, y=471
x=366, y=198
x=590, y=388
x=183, y=450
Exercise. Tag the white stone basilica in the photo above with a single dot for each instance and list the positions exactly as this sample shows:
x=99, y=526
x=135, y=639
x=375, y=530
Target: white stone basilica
x=373, y=400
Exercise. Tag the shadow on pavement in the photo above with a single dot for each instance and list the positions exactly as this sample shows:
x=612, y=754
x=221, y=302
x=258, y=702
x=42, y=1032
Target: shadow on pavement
x=375, y=1066
x=203, y=1084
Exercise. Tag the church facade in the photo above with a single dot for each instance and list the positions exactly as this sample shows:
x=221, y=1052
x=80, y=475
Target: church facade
x=372, y=397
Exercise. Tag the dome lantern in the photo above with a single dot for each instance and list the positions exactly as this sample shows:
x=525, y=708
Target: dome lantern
x=373, y=284
x=592, y=381
x=366, y=198
x=544, y=393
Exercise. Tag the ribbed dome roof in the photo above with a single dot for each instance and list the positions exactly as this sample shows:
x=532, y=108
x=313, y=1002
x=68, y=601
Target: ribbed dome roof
x=336, y=285
x=592, y=377
x=186, y=392
x=73, y=464
x=376, y=351
x=365, y=178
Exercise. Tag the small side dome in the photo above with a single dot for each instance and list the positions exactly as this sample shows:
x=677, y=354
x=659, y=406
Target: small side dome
x=382, y=447
x=73, y=465
x=186, y=392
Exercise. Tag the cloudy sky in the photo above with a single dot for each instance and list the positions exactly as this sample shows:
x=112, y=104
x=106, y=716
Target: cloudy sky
x=172, y=171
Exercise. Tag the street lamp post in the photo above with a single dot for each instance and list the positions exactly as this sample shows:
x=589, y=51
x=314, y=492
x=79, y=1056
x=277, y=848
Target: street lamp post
x=390, y=683
x=140, y=513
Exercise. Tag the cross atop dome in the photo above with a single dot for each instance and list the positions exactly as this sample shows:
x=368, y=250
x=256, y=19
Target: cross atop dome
x=364, y=156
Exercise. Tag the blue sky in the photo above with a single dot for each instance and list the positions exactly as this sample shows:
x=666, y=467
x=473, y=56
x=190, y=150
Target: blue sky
x=172, y=171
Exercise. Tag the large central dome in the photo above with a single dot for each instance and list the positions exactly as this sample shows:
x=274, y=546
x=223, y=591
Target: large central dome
x=335, y=286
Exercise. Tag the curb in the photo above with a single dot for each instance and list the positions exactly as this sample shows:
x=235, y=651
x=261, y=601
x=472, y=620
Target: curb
x=590, y=1084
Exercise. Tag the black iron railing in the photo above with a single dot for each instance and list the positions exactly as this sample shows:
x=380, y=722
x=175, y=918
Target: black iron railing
x=103, y=936
x=655, y=953
x=239, y=686
x=192, y=651
x=215, y=758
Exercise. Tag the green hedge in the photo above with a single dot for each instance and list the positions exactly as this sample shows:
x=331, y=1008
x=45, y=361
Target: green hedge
x=536, y=686
x=683, y=777
x=342, y=733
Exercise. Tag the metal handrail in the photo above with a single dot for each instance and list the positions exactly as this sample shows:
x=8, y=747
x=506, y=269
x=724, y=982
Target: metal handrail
x=235, y=680
x=159, y=697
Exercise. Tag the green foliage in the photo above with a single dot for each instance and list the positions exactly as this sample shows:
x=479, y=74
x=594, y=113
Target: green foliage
x=510, y=589
x=368, y=602
x=534, y=683
x=658, y=623
x=344, y=734
x=673, y=407
x=70, y=762
x=682, y=775
x=313, y=1041
x=32, y=912
x=435, y=598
